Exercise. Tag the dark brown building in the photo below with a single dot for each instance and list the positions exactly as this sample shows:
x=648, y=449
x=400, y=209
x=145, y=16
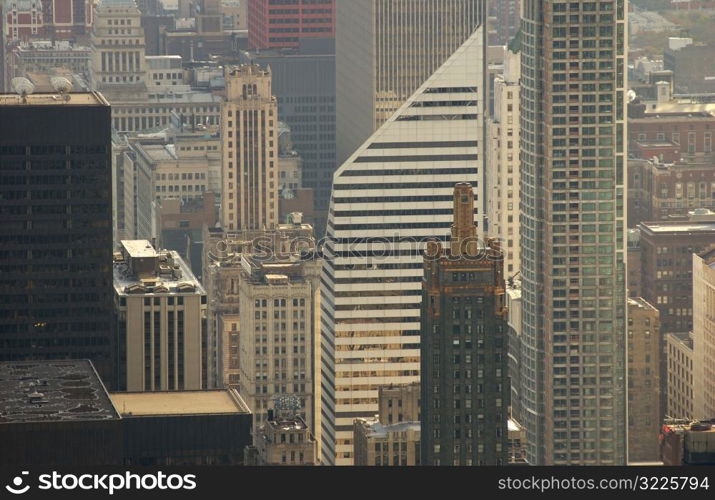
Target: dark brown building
x=667, y=267
x=660, y=191
x=463, y=347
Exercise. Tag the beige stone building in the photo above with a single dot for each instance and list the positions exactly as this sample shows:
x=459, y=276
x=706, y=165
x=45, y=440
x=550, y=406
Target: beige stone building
x=679, y=353
x=378, y=444
x=704, y=333
x=283, y=440
x=250, y=150
x=279, y=325
x=644, y=388
x=161, y=320
x=399, y=403
x=503, y=163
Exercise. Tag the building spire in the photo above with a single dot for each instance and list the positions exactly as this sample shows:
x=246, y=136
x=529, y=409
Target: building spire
x=464, y=232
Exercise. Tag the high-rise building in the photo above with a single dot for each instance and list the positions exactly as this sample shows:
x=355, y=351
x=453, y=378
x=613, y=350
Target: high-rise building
x=666, y=268
x=303, y=81
x=279, y=334
x=679, y=354
x=393, y=195
x=278, y=25
x=249, y=135
x=56, y=230
x=573, y=150
x=463, y=347
x=704, y=333
x=502, y=176
x=161, y=321
x=507, y=15
x=399, y=403
x=382, y=444
x=118, y=62
x=385, y=50
x=645, y=390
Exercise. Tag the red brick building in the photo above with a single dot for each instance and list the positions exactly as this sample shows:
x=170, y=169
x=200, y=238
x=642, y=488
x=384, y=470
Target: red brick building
x=274, y=24
x=673, y=127
x=661, y=191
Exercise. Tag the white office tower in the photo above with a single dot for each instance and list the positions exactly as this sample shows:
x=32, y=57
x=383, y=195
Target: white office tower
x=389, y=197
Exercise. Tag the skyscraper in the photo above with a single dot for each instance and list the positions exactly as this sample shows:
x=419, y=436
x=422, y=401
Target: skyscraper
x=386, y=49
x=463, y=343
x=250, y=150
x=56, y=230
x=572, y=231
x=393, y=194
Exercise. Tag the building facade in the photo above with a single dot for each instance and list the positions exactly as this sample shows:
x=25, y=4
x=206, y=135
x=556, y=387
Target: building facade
x=704, y=333
x=277, y=25
x=377, y=444
x=502, y=176
x=667, y=268
x=393, y=194
x=645, y=390
x=56, y=231
x=278, y=334
x=573, y=150
x=249, y=137
x=385, y=50
x=463, y=347
x=679, y=356
x=161, y=321
x=283, y=440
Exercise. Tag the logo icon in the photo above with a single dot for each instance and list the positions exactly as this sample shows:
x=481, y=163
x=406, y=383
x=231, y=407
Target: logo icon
x=16, y=487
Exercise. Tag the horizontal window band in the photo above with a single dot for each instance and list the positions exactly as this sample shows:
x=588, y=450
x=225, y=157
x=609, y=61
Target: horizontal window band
x=411, y=171
x=392, y=199
x=392, y=159
x=400, y=185
x=425, y=118
x=425, y=144
x=378, y=213
x=392, y=225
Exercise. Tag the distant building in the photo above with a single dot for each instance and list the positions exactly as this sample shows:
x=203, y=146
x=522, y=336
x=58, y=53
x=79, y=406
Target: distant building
x=279, y=327
x=161, y=321
x=704, y=333
x=687, y=443
x=660, y=191
x=399, y=403
x=503, y=174
x=686, y=62
x=283, y=440
x=270, y=27
x=391, y=444
x=46, y=57
x=183, y=428
x=507, y=17
x=516, y=363
x=378, y=65
x=90, y=427
x=55, y=261
x=666, y=268
x=679, y=359
x=463, y=347
x=634, y=263
x=250, y=124
x=517, y=443
x=646, y=401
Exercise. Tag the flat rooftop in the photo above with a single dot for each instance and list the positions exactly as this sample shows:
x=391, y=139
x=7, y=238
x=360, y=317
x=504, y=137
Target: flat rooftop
x=221, y=402
x=678, y=227
x=52, y=391
x=139, y=248
x=54, y=99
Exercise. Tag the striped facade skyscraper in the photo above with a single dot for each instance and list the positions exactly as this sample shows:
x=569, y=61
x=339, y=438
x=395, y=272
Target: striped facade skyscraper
x=393, y=193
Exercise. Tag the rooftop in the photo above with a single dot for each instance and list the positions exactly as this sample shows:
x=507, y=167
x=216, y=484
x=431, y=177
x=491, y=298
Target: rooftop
x=677, y=227
x=379, y=430
x=54, y=99
x=52, y=391
x=641, y=303
x=139, y=248
x=219, y=402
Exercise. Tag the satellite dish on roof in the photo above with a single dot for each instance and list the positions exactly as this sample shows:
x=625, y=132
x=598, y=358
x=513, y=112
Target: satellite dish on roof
x=22, y=86
x=62, y=86
x=631, y=95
